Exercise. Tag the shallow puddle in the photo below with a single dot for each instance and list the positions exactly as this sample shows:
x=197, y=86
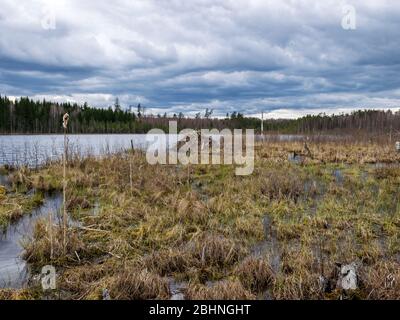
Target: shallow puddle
x=14, y=272
x=177, y=289
x=295, y=158
x=4, y=181
x=384, y=165
x=339, y=177
x=269, y=246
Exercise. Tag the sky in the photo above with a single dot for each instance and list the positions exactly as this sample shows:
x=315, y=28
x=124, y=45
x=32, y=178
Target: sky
x=284, y=58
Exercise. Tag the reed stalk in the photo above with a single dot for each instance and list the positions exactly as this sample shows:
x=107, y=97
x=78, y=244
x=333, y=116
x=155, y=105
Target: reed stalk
x=131, y=173
x=51, y=235
x=65, y=220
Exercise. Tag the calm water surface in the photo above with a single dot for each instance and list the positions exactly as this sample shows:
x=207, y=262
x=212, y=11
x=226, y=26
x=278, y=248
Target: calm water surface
x=34, y=150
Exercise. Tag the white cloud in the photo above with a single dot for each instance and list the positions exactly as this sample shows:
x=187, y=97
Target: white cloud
x=233, y=55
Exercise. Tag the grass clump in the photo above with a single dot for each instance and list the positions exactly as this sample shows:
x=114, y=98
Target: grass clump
x=168, y=262
x=21, y=294
x=255, y=274
x=215, y=250
x=14, y=206
x=381, y=281
x=46, y=249
x=134, y=284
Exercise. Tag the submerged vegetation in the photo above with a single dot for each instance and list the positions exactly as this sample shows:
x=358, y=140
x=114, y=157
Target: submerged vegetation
x=284, y=232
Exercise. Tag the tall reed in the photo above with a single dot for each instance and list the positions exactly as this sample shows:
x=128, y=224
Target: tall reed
x=65, y=220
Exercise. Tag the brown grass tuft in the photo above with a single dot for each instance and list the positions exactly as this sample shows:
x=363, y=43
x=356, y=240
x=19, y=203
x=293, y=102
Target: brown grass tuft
x=39, y=250
x=22, y=294
x=255, y=274
x=282, y=184
x=382, y=281
x=139, y=285
x=216, y=250
x=167, y=262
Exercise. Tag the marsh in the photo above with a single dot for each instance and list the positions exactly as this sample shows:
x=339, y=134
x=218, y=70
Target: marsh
x=144, y=227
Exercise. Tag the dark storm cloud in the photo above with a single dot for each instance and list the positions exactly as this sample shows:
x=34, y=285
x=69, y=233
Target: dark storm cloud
x=287, y=58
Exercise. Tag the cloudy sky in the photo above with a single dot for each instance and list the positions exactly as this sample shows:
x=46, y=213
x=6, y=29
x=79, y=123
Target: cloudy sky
x=286, y=58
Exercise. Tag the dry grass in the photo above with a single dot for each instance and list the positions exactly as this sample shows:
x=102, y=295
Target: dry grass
x=86, y=280
x=44, y=249
x=9, y=294
x=215, y=250
x=14, y=206
x=381, y=281
x=255, y=274
x=134, y=284
x=283, y=183
x=333, y=152
x=168, y=262
x=334, y=208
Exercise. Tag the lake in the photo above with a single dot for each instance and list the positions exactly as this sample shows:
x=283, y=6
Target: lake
x=34, y=150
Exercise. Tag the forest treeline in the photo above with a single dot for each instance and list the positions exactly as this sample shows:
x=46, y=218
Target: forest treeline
x=26, y=116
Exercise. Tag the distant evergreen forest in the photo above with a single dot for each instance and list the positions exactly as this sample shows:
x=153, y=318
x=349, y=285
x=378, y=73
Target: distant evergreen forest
x=25, y=116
